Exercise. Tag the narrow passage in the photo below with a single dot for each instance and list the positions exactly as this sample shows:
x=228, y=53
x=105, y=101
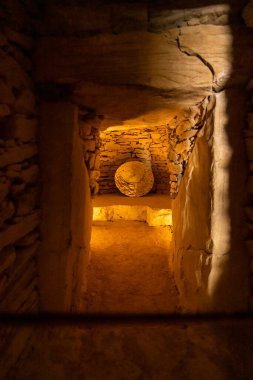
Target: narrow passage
x=128, y=271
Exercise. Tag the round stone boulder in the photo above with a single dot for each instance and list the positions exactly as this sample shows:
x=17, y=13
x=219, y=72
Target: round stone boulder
x=134, y=179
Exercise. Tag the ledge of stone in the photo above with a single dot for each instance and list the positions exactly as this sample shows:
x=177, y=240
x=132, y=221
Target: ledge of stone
x=154, y=210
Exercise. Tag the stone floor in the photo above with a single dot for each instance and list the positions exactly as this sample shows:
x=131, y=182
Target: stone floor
x=128, y=273
x=129, y=269
x=220, y=350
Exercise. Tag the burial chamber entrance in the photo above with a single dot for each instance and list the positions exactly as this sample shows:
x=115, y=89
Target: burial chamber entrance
x=187, y=128
x=182, y=154
x=135, y=172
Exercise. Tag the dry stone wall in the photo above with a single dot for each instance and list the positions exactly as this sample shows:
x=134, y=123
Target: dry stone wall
x=148, y=145
x=182, y=133
x=89, y=132
x=19, y=171
x=19, y=176
x=165, y=149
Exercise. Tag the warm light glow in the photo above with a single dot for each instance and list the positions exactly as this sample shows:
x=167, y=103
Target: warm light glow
x=142, y=213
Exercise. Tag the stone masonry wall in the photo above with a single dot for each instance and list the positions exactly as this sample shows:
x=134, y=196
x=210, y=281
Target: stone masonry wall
x=148, y=145
x=166, y=149
x=89, y=124
x=19, y=171
x=182, y=133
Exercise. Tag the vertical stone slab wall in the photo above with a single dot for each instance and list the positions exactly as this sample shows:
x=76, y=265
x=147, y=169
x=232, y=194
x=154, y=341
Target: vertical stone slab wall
x=191, y=212
x=249, y=208
x=66, y=209
x=248, y=17
x=210, y=260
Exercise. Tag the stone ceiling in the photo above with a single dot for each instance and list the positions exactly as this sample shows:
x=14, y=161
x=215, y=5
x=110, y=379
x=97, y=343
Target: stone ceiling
x=139, y=65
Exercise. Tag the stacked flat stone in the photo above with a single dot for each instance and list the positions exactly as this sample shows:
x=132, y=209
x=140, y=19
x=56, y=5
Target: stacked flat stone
x=134, y=179
x=89, y=133
x=19, y=170
x=148, y=145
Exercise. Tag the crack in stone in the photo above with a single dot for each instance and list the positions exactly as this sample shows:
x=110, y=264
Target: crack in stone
x=191, y=53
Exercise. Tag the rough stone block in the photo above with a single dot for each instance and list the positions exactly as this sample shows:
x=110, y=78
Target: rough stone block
x=30, y=175
x=7, y=258
x=23, y=256
x=22, y=128
x=4, y=188
x=175, y=168
x=23, y=61
x=90, y=145
x=21, y=39
x=188, y=134
x=4, y=110
x=17, y=189
x=26, y=202
x=15, y=232
x=28, y=240
x=15, y=76
x=17, y=292
x=25, y=102
x=6, y=212
x=172, y=156
x=184, y=126
x=6, y=94
x=18, y=154
x=30, y=304
x=182, y=147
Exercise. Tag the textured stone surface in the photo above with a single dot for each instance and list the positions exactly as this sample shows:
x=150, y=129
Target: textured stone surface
x=197, y=349
x=18, y=154
x=133, y=280
x=152, y=216
x=248, y=14
x=148, y=145
x=18, y=159
x=134, y=179
x=208, y=255
x=66, y=218
x=16, y=231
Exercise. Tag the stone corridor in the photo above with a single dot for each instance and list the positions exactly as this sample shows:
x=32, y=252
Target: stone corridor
x=128, y=272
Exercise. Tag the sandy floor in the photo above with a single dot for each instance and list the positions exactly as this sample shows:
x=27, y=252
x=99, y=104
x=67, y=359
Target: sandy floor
x=132, y=276
x=129, y=269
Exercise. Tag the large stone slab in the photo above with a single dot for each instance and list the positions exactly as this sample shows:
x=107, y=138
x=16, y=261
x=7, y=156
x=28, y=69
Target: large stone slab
x=134, y=58
x=133, y=105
